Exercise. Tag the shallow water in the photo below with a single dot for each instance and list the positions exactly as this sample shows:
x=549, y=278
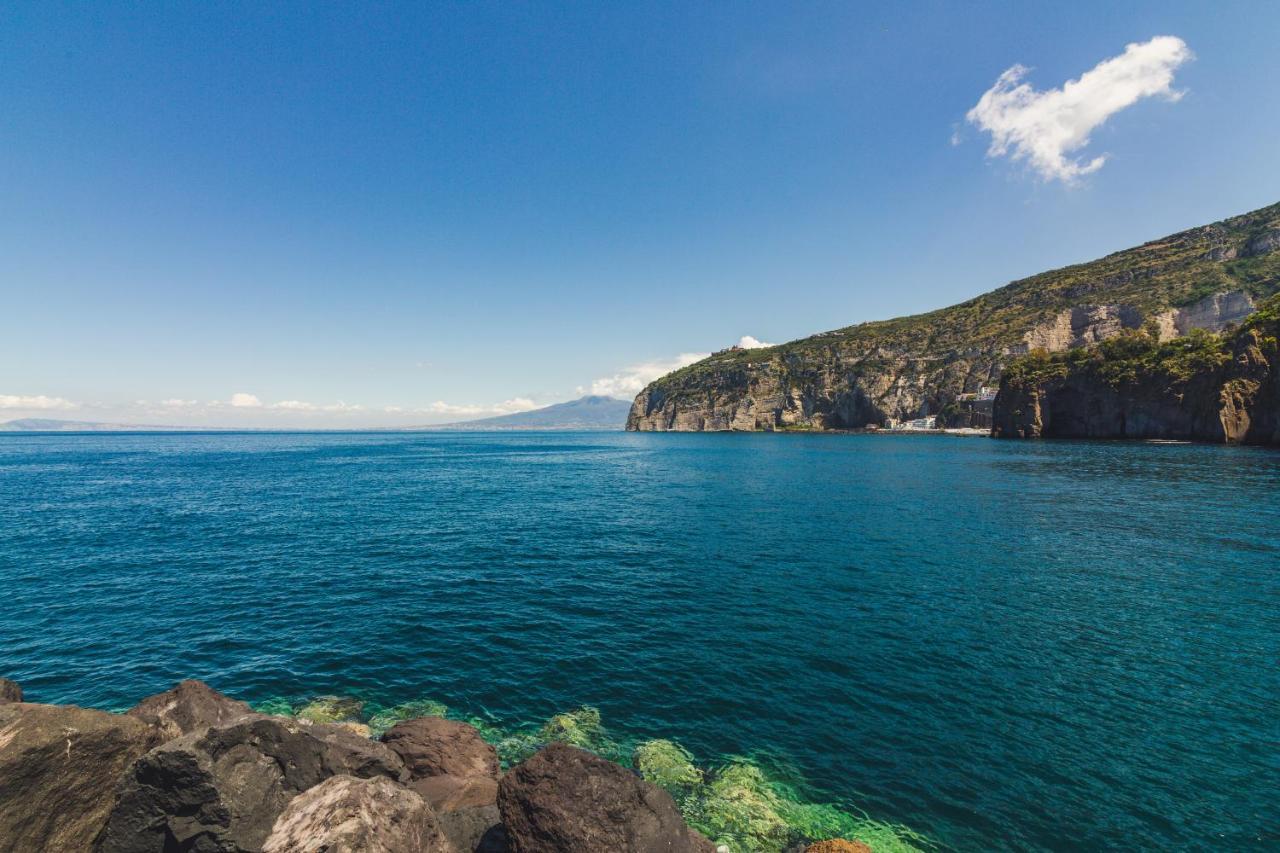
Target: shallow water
x=1002, y=645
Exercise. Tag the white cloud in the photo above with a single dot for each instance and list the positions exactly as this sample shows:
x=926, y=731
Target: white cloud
x=506, y=407
x=304, y=406
x=245, y=401
x=179, y=403
x=630, y=381
x=515, y=404
x=1043, y=128
x=342, y=407
x=39, y=401
x=440, y=407
x=748, y=342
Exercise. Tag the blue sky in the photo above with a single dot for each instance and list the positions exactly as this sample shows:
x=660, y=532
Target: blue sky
x=413, y=214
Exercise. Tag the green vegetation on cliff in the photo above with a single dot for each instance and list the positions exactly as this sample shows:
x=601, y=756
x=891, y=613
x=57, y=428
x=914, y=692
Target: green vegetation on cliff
x=1201, y=387
x=912, y=365
x=1172, y=272
x=1138, y=357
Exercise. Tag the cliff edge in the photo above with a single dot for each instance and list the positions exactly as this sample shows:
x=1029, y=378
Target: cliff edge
x=1207, y=278
x=1200, y=387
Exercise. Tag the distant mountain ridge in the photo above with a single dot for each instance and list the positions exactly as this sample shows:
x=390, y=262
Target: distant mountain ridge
x=1210, y=278
x=586, y=413
x=56, y=425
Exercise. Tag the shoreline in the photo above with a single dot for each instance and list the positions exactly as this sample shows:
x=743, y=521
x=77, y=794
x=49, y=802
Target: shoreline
x=733, y=805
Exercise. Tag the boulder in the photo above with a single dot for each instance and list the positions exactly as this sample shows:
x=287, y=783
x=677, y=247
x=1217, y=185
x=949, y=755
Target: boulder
x=344, y=814
x=448, y=793
x=475, y=829
x=456, y=772
x=222, y=788
x=190, y=706
x=837, y=845
x=434, y=746
x=467, y=808
x=564, y=798
x=10, y=691
x=59, y=766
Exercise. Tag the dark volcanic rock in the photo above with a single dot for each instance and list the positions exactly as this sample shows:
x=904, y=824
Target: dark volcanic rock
x=344, y=814
x=59, y=766
x=566, y=799
x=433, y=746
x=10, y=691
x=190, y=706
x=447, y=793
x=221, y=789
x=457, y=773
x=477, y=829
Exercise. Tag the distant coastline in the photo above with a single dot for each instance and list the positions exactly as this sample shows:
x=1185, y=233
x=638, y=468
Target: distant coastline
x=586, y=414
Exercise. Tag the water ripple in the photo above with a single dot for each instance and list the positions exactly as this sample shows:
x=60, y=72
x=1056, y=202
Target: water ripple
x=1021, y=646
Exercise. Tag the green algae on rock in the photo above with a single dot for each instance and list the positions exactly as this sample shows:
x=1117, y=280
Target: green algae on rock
x=332, y=709
x=668, y=765
x=739, y=804
x=385, y=718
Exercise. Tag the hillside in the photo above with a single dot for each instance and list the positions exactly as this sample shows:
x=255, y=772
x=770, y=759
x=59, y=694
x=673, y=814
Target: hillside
x=585, y=413
x=1200, y=387
x=1209, y=277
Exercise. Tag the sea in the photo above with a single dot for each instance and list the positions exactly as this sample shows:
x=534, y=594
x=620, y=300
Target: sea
x=992, y=645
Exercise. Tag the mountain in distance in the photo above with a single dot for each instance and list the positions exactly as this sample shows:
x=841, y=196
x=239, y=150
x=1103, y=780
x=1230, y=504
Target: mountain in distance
x=1209, y=278
x=585, y=413
x=56, y=425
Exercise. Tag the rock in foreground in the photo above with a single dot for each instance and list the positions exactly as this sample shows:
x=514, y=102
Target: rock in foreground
x=566, y=799
x=222, y=789
x=434, y=746
x=455, y=771
x=59, y=765
x=344, y=814
x=10, y=691
x=188, y=707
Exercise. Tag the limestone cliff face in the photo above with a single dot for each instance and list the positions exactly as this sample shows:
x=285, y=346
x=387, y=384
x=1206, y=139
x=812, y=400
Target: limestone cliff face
x=1081, y=326
x=1208, y=278
x=1230, y=392
x=1213, y=314
x=840, y=387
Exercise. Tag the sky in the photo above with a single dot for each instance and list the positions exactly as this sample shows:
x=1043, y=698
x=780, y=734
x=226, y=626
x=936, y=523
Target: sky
x=351, y=215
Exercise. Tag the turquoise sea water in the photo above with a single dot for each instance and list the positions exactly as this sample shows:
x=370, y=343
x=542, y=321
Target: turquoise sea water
x=1068, y=646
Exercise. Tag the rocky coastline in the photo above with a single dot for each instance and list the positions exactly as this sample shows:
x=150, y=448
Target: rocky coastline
x=190, y=770
x=1200, y=387
x=1208, y=279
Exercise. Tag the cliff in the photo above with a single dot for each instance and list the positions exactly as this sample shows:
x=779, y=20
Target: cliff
x=1206, y=278
x=1200, y=387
